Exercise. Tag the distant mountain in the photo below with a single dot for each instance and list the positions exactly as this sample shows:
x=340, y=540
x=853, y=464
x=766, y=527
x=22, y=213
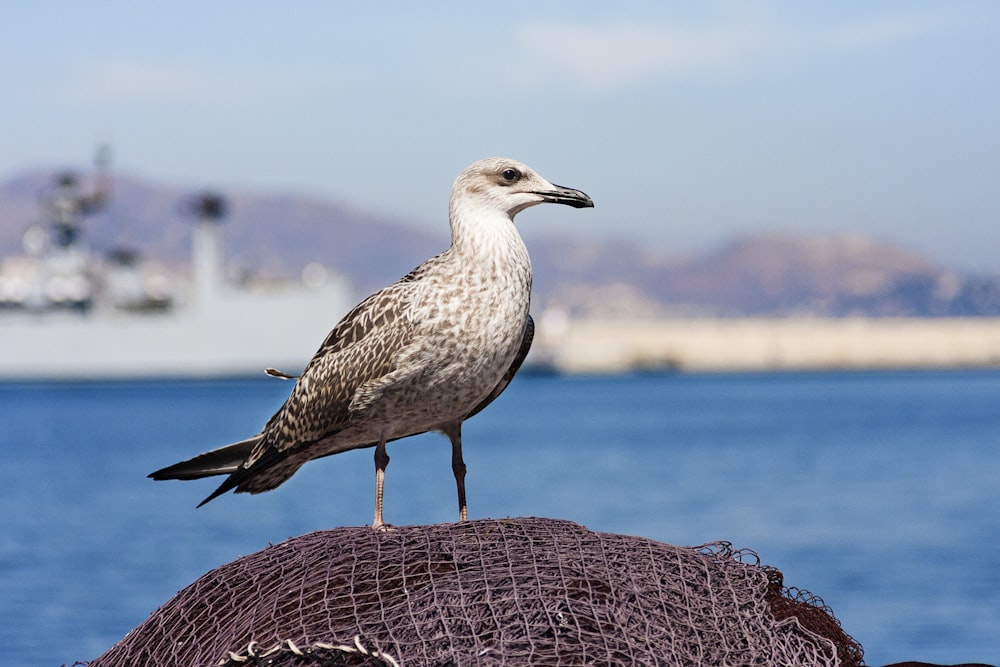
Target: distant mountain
x=268, y=234
x=767, y=274
x=840, y=275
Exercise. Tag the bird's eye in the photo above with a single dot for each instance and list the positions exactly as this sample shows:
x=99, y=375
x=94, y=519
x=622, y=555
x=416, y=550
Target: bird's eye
x=510, y=175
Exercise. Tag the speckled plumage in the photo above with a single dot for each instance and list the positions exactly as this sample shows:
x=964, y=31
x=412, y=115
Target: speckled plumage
x=422, y=354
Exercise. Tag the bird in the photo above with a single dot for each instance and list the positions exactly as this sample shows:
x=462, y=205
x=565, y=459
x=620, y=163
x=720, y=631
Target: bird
x=422, y=354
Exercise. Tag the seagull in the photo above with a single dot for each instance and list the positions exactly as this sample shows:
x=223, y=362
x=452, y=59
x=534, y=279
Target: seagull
x=423, y=354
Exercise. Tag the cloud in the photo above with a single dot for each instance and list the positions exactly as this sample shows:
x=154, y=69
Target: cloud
x=880, y=31
x=611, y=55
x=625, y=53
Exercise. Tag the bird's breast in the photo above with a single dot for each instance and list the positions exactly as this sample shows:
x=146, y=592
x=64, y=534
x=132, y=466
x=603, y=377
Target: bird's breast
x=469, y=333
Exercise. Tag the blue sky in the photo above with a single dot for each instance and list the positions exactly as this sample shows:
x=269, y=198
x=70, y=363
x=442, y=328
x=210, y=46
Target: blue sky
x=686, y=122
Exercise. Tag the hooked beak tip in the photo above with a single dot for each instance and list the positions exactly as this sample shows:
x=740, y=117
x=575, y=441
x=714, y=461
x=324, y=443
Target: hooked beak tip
x=568, y=196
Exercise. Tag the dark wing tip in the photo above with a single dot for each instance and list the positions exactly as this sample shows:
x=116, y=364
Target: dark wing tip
x=224, y=487
x=176, y=471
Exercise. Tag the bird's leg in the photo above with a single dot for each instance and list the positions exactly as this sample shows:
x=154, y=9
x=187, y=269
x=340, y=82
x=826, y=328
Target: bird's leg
x=381, y=461
x=454, y=433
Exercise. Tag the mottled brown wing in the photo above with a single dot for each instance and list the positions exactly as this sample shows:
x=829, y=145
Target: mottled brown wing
x=378, y=323
x=359, y=350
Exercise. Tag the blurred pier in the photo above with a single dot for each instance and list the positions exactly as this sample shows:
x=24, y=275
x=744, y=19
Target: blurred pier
x=765, y=344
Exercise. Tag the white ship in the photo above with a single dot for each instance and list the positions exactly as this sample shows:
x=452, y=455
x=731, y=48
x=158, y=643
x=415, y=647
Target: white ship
x=66, y=314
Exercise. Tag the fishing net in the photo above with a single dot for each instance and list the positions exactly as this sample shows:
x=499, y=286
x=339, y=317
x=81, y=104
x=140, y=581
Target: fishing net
x=516, y=592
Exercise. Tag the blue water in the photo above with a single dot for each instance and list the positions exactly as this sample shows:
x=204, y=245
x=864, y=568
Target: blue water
x=879, y=492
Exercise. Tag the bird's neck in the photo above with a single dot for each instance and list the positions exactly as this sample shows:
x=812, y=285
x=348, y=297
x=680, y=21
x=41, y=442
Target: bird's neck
x=486, y=238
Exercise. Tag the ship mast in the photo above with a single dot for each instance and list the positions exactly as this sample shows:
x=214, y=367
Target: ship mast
x=209, y=209
x=67, y=281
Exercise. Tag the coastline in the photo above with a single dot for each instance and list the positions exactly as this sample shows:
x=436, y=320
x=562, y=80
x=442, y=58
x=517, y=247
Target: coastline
x=766, y=344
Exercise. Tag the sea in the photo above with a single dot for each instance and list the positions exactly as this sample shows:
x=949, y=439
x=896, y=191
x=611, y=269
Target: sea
x=878, y=492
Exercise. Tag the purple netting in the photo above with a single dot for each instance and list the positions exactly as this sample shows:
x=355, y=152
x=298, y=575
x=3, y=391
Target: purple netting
x=491, y=592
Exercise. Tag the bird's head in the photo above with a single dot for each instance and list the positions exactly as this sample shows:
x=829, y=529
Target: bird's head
x=508, y=186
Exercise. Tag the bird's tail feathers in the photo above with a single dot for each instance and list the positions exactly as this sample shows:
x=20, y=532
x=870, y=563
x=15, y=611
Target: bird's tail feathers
x=222, y=461
x=278, y=466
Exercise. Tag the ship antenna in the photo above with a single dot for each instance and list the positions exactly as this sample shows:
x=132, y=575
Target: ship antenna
x=209, y=208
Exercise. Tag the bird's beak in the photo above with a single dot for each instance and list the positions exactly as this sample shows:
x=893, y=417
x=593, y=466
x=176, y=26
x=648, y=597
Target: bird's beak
x=560, y=195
